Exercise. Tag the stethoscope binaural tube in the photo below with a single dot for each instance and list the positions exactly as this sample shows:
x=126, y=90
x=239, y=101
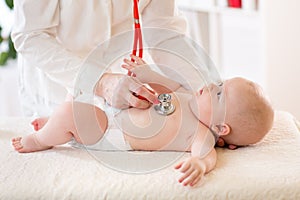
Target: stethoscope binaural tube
x=138, y=39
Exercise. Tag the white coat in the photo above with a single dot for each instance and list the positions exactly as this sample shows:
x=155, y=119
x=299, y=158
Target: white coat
x=53, y=37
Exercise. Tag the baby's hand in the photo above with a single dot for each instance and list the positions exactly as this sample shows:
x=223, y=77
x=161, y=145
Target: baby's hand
x=193, y=170
x=138, y=67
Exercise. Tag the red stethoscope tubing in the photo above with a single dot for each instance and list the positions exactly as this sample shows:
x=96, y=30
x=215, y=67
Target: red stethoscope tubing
x=138, y=39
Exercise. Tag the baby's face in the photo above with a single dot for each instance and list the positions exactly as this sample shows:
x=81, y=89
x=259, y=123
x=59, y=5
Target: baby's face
x=210, y=101
x=213, y=101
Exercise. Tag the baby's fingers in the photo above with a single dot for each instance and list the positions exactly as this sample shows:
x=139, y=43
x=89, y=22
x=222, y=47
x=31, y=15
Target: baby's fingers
x=128, y=67
x=185, y=166
x=192, y=177
x=186, y=175
x=178, y=165
x=196, y=180
x=137, y=59
x=129, y=62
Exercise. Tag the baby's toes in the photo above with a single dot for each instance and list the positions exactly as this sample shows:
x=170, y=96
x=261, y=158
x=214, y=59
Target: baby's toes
x=17, y=139
x=16, y=142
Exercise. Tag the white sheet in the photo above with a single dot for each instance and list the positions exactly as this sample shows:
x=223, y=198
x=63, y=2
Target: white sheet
x=268, y=170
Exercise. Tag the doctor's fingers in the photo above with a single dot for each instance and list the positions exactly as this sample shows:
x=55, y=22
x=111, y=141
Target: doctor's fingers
x=124, y=94
x=140, y=90
x=128, y=98
x=118, y=101
x=138, y=103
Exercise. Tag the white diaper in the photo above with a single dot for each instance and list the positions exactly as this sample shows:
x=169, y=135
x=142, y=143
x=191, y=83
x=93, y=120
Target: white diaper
x=113, y=139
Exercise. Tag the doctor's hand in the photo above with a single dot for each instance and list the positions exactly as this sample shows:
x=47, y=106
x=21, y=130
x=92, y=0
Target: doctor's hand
x=121, y=91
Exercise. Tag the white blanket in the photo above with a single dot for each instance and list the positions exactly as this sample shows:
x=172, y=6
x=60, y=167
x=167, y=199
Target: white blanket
x=268, y=170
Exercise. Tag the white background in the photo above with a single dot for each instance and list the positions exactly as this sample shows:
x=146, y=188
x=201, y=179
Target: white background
x=273, y=40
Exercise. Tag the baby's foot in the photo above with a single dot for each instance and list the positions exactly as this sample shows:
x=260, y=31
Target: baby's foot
x=28, y=144
x=39, y=123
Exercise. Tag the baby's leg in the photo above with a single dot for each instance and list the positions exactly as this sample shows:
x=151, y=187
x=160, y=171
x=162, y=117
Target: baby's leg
x=39, y=123
x=85, y=122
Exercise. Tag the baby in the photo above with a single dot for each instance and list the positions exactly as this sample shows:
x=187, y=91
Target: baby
x=249, y=117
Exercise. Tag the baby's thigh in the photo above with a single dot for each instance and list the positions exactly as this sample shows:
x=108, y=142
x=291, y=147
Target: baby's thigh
x=90, y=123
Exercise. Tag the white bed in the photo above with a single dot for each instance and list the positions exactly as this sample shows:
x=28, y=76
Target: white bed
x=268, y=170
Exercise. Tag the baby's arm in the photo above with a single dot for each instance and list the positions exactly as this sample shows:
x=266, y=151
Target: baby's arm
x=145, y=74
x=194, y=168
x=197, y=165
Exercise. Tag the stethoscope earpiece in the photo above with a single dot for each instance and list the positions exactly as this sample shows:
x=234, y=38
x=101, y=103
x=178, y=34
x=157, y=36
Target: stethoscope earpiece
x=165, y=107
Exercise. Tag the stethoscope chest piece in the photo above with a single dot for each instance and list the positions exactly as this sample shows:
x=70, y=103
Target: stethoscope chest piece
x=165, y=107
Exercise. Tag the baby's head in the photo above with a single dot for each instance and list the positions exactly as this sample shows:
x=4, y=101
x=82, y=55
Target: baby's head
x=249, y=114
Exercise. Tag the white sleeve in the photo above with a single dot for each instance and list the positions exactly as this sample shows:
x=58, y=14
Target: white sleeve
x=34, y=36
x=185, y=61
x=163, y=14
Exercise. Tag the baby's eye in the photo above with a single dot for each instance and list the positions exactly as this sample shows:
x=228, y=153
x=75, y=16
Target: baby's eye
x=219, y=94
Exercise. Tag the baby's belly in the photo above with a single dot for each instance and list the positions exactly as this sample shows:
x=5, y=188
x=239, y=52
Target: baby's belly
x=147, y=130
x=155, y=137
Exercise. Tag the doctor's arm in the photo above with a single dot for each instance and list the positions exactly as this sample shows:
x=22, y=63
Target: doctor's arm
x=35, y=38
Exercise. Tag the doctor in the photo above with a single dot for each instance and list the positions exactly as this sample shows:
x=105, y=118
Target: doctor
x=53, y=37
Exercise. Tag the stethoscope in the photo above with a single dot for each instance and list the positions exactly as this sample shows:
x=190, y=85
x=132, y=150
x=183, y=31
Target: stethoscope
x=165, y=107
x=138, y=39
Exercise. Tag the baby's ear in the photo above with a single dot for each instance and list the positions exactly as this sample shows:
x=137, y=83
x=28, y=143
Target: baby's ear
x=221, y=129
